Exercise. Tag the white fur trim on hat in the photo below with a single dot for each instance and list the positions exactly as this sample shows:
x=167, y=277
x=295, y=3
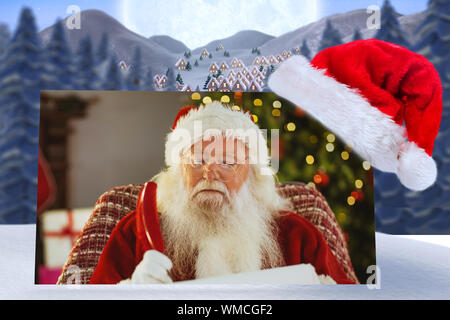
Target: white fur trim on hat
x=371, y=133
x=416, y=169
x=209, y=120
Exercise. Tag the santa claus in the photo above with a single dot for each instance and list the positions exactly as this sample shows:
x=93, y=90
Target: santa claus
x=214, y=210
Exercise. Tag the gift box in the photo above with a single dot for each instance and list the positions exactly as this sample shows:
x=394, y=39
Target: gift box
x=60, y=230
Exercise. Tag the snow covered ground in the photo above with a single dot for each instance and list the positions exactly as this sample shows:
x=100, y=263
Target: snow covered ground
x=408, y=269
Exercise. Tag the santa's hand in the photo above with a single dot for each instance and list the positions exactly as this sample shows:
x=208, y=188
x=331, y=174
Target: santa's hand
x=153, y=268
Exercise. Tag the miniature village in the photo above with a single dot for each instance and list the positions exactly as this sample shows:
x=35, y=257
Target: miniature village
x=227, y=74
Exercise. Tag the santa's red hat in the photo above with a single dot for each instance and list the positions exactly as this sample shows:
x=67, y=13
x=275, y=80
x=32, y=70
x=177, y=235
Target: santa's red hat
x=202, y=123
x=364, y=91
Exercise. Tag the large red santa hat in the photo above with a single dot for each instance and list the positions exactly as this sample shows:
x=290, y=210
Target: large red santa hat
x=364, y=91
x=201, y=123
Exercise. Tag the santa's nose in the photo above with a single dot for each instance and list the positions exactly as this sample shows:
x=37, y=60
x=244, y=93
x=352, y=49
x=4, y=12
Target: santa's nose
x=209, y=171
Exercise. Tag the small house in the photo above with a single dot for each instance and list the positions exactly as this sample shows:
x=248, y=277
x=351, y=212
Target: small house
x=224, y=86
x=238, y=85
x=212, y=85
x=213, y=68
x=180, y=64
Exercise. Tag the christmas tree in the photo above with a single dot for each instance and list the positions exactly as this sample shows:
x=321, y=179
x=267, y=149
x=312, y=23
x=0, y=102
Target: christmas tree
x=86, y=77
x=390, y=29
x=305, y=51
x=20, y=81
x=330, y=37
x=113, y=78
x=404, y=211
x=188, y=66
x=133, y=79
x=58, y=60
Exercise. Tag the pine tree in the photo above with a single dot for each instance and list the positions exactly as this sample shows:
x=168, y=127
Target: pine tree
x=102, y=53
x=390, y=30
x=188, y=66
x=356, y=35
x=113, y=78
x=20, y=81
x=305, y=51
x=432, y=204
x=210, y=56
x=86, y=74
x=179, y=79
x=196, y=63
x=205, y=86
x=330, y=37
x=134, y=77
x=58, y=60
x=171, y=82
x=149, y=81
x=5, y=35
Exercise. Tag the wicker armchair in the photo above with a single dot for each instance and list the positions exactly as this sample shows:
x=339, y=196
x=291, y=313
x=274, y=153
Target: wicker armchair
x=119, y=201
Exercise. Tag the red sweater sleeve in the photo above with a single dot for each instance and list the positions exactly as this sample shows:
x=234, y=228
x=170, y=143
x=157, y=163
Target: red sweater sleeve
x=302, y=242
x=118, y=259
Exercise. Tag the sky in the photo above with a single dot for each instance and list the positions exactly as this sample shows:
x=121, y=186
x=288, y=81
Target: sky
x=197, y=22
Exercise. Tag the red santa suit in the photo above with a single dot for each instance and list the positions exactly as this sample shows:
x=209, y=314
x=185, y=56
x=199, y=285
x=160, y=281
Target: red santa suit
x=299, y=240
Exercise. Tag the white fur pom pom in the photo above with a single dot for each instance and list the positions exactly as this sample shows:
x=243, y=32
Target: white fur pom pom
x=416, y=169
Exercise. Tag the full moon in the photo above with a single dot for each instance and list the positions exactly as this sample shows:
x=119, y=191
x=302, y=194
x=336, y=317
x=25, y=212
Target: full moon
x=198, y=22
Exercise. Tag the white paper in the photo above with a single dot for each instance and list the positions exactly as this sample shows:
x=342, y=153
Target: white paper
x=298, y=274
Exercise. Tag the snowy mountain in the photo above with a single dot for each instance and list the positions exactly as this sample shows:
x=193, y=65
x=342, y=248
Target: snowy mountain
x=160, y=52
x=121, y=40
x=246, y=39
x=345, y=23
x=170, y=44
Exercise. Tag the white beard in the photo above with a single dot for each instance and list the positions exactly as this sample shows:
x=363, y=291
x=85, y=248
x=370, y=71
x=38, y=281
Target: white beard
x=204, y=238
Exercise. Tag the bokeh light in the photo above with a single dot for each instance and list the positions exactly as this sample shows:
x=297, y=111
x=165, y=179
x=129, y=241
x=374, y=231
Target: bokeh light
x=207, y=100
x=196, y=96
x=309, y=159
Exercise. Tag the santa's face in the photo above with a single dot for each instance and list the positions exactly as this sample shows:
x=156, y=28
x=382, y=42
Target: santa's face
x=214, y=171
